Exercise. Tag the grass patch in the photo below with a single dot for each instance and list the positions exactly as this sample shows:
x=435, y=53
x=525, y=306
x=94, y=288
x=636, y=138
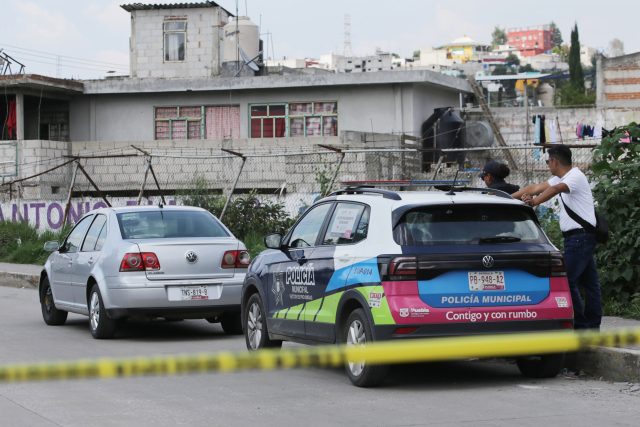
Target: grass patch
x=20, y=243
x=626, y=309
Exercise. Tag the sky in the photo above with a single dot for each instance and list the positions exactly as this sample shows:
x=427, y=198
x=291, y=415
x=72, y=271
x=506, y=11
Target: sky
x=90, y=38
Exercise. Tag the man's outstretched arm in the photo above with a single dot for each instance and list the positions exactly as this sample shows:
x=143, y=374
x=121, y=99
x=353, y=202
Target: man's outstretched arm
x=532, y=189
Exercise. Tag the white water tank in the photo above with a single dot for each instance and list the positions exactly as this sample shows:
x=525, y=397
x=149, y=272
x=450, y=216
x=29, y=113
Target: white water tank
x=240, y=32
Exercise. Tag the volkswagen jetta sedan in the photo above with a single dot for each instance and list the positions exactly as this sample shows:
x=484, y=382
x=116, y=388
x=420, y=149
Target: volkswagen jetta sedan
x=145, y=262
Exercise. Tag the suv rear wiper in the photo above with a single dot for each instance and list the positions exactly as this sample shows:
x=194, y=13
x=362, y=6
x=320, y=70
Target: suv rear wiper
x=499, y=239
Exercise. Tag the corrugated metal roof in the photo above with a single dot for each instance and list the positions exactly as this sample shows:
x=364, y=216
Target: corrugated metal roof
x=150, y=6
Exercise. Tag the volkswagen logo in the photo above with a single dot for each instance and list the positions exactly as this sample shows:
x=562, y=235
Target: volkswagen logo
x=487, y=261
x=191, y=257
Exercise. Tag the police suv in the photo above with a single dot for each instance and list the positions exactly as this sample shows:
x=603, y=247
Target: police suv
x=368, y=264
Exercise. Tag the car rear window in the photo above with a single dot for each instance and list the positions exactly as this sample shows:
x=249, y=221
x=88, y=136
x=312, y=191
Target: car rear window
x=466, y=225
x=169, y=224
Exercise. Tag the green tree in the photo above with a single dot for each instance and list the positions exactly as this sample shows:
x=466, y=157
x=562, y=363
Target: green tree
x=527, y=68
x=616, y=172
x=562, y=51
x=416, y=54
x=575, y=66
x=556, y=35
x=512, y=60
x=498, y=37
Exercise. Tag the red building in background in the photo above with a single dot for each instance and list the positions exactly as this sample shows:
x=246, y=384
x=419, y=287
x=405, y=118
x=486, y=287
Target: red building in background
x=530, y=41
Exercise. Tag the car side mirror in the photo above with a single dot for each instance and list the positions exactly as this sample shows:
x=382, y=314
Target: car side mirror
x=273, y=241
x=51, y=246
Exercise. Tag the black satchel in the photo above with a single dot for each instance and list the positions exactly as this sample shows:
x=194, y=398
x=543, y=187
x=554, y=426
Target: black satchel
x=601, y=230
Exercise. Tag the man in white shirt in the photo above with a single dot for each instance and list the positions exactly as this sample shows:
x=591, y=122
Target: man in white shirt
x=579, y=243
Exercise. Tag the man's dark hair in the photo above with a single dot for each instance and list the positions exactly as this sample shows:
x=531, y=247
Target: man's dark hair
x=562, y=153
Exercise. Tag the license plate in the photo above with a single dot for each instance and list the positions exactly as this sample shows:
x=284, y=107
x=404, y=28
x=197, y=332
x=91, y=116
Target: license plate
x=486, y=281
x=187, y=293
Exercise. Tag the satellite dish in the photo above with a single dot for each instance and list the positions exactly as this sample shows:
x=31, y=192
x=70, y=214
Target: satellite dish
x=479, y=134
x=249, y=62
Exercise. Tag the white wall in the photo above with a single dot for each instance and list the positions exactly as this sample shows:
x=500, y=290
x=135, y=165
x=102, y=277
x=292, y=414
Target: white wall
x=202, y=55
x=390, y=108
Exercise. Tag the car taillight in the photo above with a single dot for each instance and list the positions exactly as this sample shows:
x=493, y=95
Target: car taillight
x=135, y=261
x=236, y=259
x=557, y=266
x=403, y=266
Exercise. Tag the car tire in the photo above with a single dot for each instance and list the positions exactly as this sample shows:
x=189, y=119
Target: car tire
x=51, y=315
x=357, y=331
x=231, y=323
x=100, y=325
x=254, y=321
x=545, y=366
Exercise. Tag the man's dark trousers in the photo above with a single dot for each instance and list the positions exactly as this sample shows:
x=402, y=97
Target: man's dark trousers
x=583, y=275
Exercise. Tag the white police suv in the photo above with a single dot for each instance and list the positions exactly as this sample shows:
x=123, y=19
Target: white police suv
x=367, y=264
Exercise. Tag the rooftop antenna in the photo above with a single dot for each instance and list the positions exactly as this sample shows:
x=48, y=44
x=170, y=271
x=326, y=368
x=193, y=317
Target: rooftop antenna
x=347, y=35
x=453, y=184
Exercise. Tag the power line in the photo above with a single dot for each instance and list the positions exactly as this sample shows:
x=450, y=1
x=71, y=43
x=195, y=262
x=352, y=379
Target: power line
x=71, y=58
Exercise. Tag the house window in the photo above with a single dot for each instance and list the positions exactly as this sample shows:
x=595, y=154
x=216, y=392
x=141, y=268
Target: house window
x=294, y=119
x=178, y=122
x=175, y=38
x=268, y=121
x=313, y=119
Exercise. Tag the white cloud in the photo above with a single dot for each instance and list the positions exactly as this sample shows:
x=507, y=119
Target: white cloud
x=43, y=27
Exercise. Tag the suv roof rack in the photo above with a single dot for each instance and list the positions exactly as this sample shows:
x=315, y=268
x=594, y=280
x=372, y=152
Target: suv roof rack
x=366, y=189
x=485, y=190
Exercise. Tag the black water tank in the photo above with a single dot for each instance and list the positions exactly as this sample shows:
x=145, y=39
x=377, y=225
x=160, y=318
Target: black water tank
x=443, y=129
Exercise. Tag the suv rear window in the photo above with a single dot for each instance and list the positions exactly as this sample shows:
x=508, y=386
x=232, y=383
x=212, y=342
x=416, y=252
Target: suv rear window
x=169, y=224
x=467, y=225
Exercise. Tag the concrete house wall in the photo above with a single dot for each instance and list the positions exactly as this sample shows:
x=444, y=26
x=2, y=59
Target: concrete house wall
x=202, y=50
x=385, y=108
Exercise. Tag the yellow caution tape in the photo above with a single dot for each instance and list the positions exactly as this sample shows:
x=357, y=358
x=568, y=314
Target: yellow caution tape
x=386, y=352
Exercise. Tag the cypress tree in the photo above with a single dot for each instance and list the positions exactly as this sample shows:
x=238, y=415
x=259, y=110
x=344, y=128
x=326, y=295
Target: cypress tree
x=575, y=66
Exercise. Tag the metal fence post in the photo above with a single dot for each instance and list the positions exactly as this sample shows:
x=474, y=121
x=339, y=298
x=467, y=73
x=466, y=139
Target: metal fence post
x=235, y=183
x=67, y=205
x=144, y=181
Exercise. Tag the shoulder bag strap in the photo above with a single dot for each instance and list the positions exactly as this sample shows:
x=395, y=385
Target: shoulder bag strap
x=574, y=216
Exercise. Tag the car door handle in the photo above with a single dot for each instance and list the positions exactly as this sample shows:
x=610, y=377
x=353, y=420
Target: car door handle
x=90, y=261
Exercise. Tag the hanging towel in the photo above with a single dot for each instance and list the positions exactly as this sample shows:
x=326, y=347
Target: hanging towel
x=536, y=130
x=597, y=132
x=553, y=131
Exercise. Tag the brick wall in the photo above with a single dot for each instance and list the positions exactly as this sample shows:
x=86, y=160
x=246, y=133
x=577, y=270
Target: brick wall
x=619, y=81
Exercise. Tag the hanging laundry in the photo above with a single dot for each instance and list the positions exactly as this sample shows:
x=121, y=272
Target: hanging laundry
x=579, y=129
x=597, y=132
x=543, y=135
x=553, y=131
x=536, y=129
x=11, y=119
x=626, y=139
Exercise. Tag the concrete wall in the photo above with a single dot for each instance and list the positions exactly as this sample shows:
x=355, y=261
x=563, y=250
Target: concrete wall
x=34, y=157
x=513, y=121
x=618, y=81
x=390, y=108
x=202, y=53
x=529, y=163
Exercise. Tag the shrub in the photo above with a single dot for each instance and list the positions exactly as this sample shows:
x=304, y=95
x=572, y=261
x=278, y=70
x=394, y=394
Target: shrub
x=616, y=171
x=21, y=243
x=248, y=217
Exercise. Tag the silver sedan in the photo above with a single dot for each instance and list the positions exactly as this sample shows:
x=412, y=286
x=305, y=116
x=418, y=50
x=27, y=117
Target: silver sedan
x=145, y=262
